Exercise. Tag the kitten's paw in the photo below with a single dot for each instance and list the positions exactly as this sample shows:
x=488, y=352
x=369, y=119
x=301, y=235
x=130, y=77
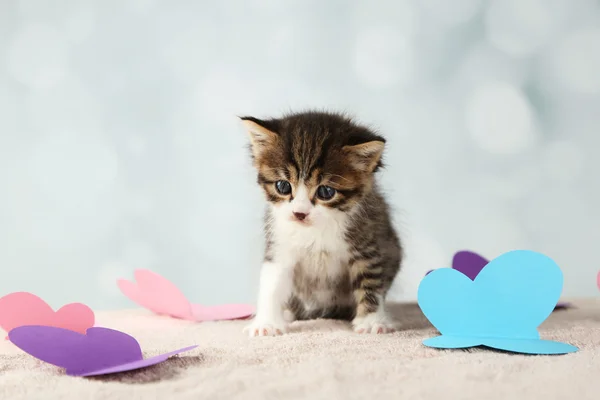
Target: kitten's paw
x=373, y=323
x=270, y=328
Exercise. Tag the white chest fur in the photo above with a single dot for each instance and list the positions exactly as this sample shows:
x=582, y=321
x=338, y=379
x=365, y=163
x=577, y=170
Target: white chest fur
x=320, y=245
x=319, y=249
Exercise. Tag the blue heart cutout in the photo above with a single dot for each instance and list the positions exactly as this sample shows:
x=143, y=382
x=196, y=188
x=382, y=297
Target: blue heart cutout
x=501, y=308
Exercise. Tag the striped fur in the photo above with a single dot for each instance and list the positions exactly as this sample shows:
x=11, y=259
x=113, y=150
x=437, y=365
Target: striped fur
x=341, y=260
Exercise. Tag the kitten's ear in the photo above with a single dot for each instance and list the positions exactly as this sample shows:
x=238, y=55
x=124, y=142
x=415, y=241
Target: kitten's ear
x=365, y=157
x=262, y=134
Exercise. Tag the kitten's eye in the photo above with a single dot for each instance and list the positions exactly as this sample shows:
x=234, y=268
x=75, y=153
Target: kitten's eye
x=283, y=187
x=325, y=192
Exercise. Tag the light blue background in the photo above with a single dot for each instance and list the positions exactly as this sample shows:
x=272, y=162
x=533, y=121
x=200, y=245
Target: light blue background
x=119, y=146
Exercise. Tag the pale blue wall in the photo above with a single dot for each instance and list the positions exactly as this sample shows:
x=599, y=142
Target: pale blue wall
x=119, y=146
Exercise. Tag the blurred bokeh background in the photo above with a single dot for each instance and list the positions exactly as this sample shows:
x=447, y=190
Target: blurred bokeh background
x=119, y=146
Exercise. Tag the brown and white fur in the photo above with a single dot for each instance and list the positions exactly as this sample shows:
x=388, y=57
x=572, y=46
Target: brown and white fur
x=326, y=256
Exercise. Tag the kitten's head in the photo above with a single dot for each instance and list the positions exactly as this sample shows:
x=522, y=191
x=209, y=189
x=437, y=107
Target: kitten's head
x=312, y=165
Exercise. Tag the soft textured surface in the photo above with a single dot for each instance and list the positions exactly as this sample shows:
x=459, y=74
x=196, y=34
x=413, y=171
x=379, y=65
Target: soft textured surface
x=321, y=360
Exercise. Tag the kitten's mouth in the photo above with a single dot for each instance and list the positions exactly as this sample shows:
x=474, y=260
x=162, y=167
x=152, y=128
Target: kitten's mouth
x=300, y=221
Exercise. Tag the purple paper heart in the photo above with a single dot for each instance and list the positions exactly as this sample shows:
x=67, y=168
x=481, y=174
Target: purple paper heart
x=469, y=263
x=100, y=351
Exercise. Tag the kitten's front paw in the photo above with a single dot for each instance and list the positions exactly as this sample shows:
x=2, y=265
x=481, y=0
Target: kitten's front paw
x=265, y=328
x=373, y=323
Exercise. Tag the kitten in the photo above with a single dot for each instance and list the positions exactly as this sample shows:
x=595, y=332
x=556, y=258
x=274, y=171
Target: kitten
x=331, y=250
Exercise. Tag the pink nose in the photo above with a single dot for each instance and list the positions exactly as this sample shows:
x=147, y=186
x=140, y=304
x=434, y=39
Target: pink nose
x=300, y=216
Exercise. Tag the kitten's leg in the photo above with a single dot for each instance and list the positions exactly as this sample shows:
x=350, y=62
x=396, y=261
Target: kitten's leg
x=274, y=291
x=369, y=292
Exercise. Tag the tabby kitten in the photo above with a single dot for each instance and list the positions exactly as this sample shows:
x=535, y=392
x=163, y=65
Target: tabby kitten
x=331, y=250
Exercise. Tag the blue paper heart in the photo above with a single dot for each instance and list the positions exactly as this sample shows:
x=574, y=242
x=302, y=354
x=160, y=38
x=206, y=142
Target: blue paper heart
x=501, y=308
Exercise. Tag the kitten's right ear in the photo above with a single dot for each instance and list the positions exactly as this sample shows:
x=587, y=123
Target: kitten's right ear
x=365, y=157
x=262, y=134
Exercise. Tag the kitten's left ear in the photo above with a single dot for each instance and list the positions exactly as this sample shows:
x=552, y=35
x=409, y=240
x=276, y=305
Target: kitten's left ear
x=365, y=157
x=262, y=134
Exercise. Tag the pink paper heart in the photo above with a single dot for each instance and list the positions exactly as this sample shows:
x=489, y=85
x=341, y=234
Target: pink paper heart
x=162, y=297
x=157, y=294
x=225, y=311
x=24, y=308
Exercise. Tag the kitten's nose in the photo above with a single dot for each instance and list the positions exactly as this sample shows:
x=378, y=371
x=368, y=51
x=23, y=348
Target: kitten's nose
x=300, y=216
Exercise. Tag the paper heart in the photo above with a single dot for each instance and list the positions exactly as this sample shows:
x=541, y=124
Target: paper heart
x=467, y=262
x=501, y=308
x=23, y=308
x=471, y=264
x=157, y=294
x=162, y=297
x=100, y=351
